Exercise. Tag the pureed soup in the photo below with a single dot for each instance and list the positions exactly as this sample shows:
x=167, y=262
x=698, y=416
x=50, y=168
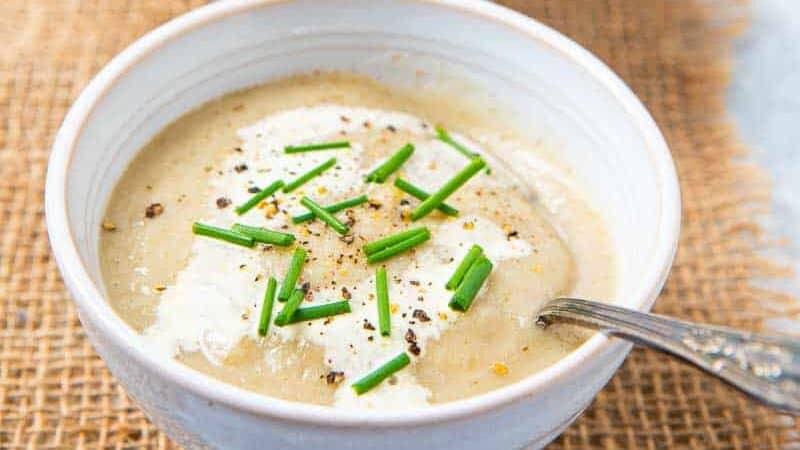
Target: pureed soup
x=330, y=240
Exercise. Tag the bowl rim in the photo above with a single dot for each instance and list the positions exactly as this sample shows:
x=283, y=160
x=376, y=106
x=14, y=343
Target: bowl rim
x=108, y=324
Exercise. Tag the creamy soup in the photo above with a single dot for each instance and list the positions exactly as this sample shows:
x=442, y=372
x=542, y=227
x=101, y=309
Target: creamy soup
x=200, y=300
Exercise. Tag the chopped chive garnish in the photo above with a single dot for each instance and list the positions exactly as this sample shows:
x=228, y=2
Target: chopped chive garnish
x=458, y=276
x=303, y=179
x=382, y=291
x=388, y=241
x=286, y=314
x=222, y=234
x=261, y=195
x=314, y=147
x=382, y=172
x=452, y=185
x=320, y=311
x=473, y=280
x=264, y=235
x=295, y=267
x=334, y=208
x=445, y=137
x=399, y=247
x=418, y=193
x=324, y=216
x=266, y=309
x=383, y=372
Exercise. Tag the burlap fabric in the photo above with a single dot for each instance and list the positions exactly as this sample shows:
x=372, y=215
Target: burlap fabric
x=55, y=393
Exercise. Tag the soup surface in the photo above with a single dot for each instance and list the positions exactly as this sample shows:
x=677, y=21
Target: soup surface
x=199, y=300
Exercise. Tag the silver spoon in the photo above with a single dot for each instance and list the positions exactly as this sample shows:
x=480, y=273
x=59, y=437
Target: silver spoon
x=764, y=366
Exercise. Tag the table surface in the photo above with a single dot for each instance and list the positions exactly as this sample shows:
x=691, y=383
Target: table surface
x=764, y=99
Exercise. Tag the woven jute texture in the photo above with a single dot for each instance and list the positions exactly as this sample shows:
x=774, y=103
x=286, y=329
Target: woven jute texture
x=55, y=393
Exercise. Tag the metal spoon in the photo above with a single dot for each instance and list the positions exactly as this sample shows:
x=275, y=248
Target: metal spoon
x=767, y=367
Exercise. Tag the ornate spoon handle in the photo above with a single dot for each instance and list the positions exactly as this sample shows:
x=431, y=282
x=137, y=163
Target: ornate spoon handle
x=765, y=366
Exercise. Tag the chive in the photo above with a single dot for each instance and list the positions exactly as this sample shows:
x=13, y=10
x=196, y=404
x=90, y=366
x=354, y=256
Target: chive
x=382, y=172
x=295, y=267
x=334, y=208
x=261, y=195
x=470, y=258
x=400, y=247
x=445, y=137
x=382, y=291
x=414, y=191
x=324, y=216
x=383, y=372
x=473, y=280
x=388, y=241
x=452, y=185
x=303, y=179
x=314, y=147
x=222, y=234
x=264, y=235
x=286, y=314
x=320, y=311
x=266, y=309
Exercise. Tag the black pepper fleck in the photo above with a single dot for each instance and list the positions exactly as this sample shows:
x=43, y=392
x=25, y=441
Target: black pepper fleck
x=421, y=315
x=334, y=377
x=153, y=210
x=223, y=202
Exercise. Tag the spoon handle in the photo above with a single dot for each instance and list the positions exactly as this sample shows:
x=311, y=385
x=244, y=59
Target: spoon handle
x=765, y=366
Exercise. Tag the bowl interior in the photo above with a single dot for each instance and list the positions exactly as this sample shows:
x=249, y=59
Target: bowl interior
x=597, y=126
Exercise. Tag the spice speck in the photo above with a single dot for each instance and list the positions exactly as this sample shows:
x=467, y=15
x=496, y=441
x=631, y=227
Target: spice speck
x=223, y=202
x=154, y=210
x=500, y=369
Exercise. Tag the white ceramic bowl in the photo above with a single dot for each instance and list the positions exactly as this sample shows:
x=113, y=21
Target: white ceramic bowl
x=600, y=127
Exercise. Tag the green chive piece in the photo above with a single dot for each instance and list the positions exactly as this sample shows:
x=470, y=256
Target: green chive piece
x=380, y=244
x=382, y=172
x=295, y=267
x=382, y=291
x=452, y=185
x=222, y=234
x=324, y=216
x=458, y=276
x=445, y=137
x=320, y=311
x=264, y=235
x=266, y=309
x=383, y=372
x=315, y=147
x=418, y=193
x=286, y=314
x=334, y=208
x=400, y=247
x=473, y=280
x=303, y=179
x=261, y=195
